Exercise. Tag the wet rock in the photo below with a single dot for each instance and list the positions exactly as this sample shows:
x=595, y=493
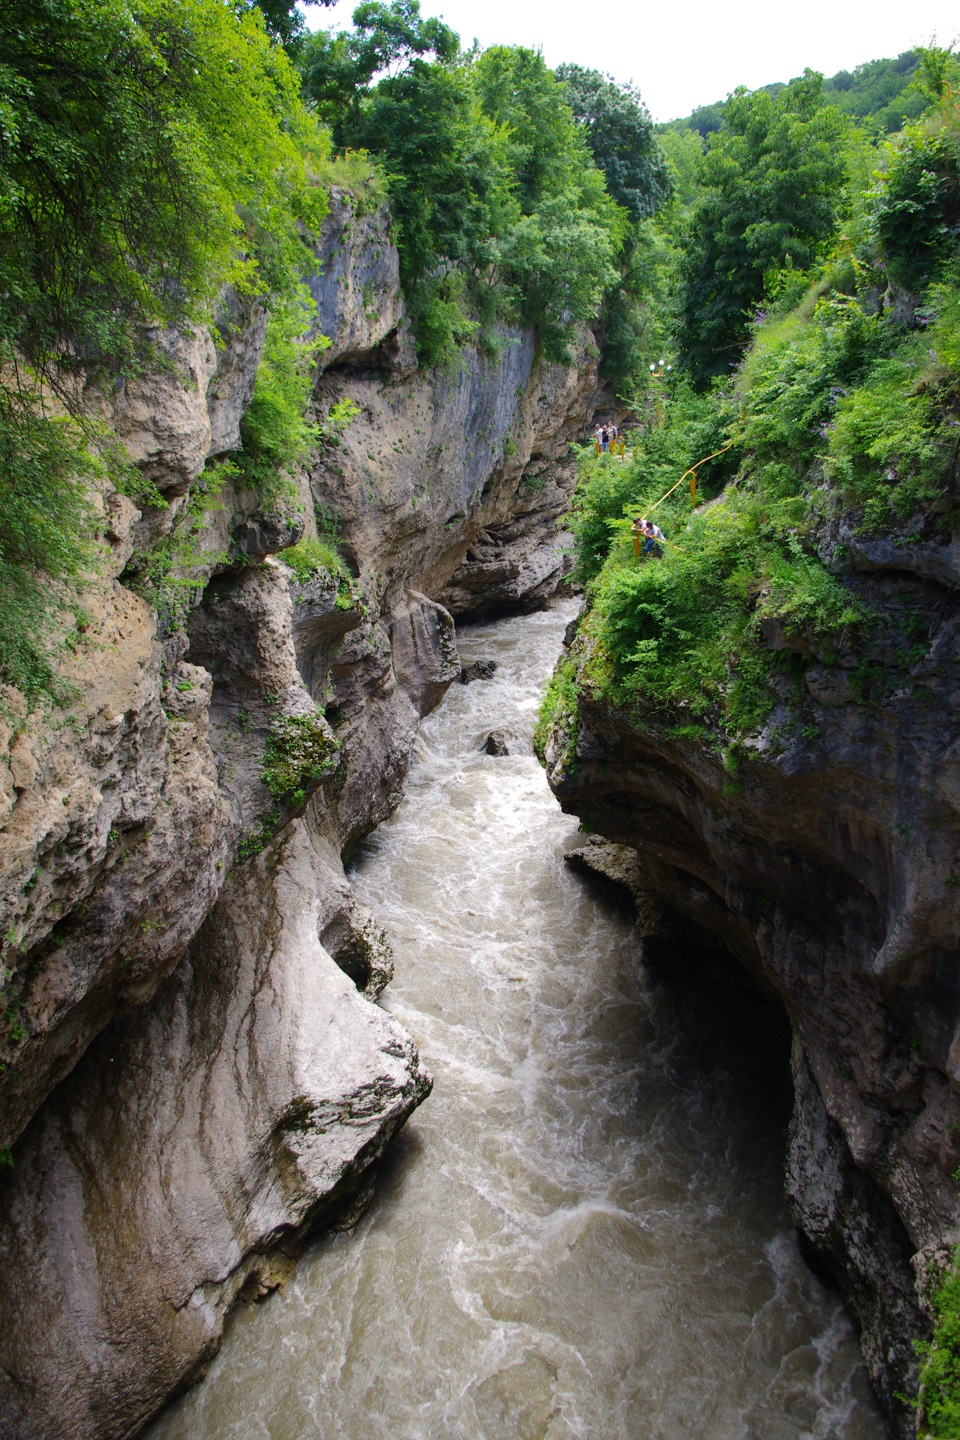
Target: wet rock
x=479, y=670
x=570, y=634
x=776, y=635
x=506, y=742
x=830, y=687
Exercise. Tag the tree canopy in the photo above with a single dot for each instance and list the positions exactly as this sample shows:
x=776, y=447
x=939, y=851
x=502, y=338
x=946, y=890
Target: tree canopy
x=151, y=151
x=500, y=211
x=771, y=190
x=621, y=139
x=339, y=66
x=149, y=154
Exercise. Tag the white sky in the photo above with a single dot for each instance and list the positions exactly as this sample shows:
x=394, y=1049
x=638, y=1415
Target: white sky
x=685, y=53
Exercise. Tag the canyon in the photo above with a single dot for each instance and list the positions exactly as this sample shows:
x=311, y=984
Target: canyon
x=196, y=1076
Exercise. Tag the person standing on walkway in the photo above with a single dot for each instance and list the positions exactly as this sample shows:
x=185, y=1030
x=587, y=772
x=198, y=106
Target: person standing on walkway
x=655, y=538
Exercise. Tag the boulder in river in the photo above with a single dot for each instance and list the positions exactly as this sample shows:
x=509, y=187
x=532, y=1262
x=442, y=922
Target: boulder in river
x=479, y=670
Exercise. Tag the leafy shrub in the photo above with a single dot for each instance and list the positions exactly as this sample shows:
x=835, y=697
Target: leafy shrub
x=256, y=839
x=172, y=573
x=356, y=173
x=558, y=711
x=939, y=1390
x=312, y=557
x=685, y=630
x=321, y=557
x=918, y=207
x=150, y=154
x=275, y=432
x=608, y=490
x=876, y=405
x=300, y=751
x=48, y=529
x=499, y=210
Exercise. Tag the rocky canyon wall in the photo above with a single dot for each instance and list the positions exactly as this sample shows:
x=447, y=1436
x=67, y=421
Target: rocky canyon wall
x=194, y=1074
x=825, y=867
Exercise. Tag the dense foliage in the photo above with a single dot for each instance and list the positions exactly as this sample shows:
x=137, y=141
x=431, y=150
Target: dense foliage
x=842, y=404
x=621, y=139
x=770, y=194
x=501, y=205
x=284, y=19
x=880, y=95
x=150, y=153
x=940, y=1367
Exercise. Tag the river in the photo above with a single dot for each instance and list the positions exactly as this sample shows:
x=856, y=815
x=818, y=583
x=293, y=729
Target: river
x=582, y=1232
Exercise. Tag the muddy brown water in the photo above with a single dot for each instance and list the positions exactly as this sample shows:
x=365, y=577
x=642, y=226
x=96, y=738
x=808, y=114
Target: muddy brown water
x=582, y=1232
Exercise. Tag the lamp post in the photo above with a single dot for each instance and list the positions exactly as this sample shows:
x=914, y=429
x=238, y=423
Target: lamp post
x=659, y=372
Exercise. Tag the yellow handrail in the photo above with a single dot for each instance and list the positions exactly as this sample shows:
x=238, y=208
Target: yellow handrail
x=692, y=472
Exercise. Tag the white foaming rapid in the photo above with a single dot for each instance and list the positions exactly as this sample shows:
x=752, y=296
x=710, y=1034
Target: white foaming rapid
x=582, y=1232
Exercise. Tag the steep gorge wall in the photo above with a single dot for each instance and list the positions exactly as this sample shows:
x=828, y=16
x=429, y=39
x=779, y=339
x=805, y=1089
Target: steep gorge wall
x=827, y=866
x=195, y=1075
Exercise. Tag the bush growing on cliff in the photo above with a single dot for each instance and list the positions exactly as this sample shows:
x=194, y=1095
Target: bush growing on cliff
x=275, y=431
x=841, y=407
x=835, y=392
x=500, y=211
x=149, y=154
x=171, y=573
x=686, y=631
x=558, y=713
x=47, y=539
x=939, y=1389
x=607, y=490
x=310, y=558
x=300, y=751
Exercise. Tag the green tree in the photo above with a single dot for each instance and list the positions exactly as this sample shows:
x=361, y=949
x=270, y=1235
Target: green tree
x=773, y=182
x=684, y=152
x=499, y=211
x=916, y=212
x=880, y=94
x=283, y=19
x=339, y=67
x=546, y=151
x=560, y=254
x=619, y=132
x=451, y=193
x=150, y=153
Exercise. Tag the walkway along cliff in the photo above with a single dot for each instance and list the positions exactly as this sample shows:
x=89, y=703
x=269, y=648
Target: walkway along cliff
x=193, y=1074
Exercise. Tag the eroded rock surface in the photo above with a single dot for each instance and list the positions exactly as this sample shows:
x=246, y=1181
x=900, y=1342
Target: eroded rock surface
x=219, y=1124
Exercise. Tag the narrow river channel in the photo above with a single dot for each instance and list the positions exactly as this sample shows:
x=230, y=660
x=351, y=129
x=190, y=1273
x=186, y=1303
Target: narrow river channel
x=582, y=1232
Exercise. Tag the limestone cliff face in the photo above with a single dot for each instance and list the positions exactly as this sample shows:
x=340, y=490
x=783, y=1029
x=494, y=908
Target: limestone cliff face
x=828, y=867
x=194, y=1071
